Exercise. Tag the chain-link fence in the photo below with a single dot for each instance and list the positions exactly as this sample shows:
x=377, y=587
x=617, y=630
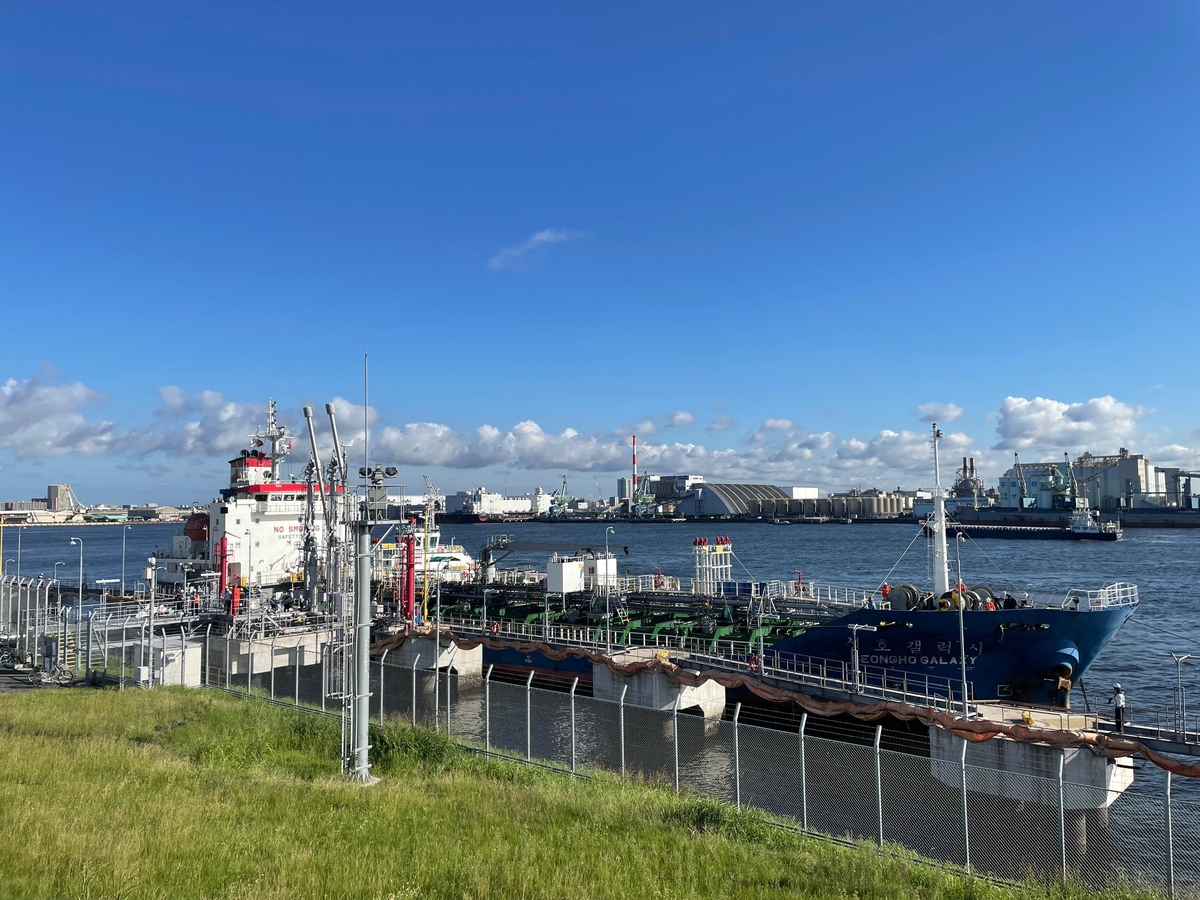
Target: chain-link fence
x=843, y=780
x=943, y=799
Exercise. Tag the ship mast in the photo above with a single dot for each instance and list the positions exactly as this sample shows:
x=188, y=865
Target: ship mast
x=941, y=560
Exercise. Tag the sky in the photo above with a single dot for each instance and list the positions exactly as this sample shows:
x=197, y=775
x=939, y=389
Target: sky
x=775, y=241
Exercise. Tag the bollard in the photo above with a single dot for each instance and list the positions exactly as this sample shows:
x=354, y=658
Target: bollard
x=737, y=762
x=574, y=684
x=966, y=827
x=528, y=718
x=675, y=740
x=487, y=710
x=414, y=689
x=382, y=660
x=621, y=712
x=879, y=783
x=803, y=777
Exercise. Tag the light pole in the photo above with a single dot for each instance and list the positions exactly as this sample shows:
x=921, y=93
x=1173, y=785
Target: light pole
x=6, y=562
x=962, y=629
x=854, y=630
x=56, y=565
x=79, y=615
x=607, y=592
x=249, y=564
x=1180, y=696
x=123, y=532
x=20, y=529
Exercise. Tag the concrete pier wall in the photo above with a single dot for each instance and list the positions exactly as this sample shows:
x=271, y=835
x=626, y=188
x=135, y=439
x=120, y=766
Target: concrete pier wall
x=654, y=690
x=1002, y=767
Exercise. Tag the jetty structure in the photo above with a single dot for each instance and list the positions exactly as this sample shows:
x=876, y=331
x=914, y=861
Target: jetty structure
x=324, y=575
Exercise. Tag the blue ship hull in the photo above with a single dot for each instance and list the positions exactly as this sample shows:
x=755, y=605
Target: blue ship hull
x=1016, y=654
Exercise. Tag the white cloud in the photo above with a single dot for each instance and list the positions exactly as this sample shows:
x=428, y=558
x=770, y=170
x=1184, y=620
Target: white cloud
x=1102, y=424
x=939, y=412
x=200, y=423
x=896, y=452
x=515, y=257
x=681, y=419
x=42, y=416
x=722, y=423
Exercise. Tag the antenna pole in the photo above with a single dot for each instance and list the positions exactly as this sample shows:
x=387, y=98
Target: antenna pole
x=941, y=562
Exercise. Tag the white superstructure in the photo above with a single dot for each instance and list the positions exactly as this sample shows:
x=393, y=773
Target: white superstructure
x=254, y=534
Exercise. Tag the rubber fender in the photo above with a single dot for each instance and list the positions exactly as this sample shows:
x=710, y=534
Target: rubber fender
x=1058, y=653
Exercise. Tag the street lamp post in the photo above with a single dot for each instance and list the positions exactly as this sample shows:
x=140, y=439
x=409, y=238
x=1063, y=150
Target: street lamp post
x=6, y=562
x=249, y=564
x=607, y=592
x=123, y=533
x=962, y=629
x=20, y=530
x=79, y=613
x=1180, y=695
x=854, y=630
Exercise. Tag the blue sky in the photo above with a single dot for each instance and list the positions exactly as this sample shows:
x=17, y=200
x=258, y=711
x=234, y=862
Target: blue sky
x=766, y=236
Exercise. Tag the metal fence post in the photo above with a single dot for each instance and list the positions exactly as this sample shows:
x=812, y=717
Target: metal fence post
x=449, y=663
x=206, y=672
x=879, y=783
x=528, y=718
x=803, y=777
x=382, y=660
x=250, y=658
x=574, y=684
x=1062, y=817
x=621, y=712
x=966, y=827
x=675, y=740
x=296, y=677
x=737, y=759
x=182, y=658
x=324, y=674
x=416, y=659
x=487, y=710
x=87, y=660
x=1169, y=837
x=273, y=639
x=124, y=624
x=228, y=662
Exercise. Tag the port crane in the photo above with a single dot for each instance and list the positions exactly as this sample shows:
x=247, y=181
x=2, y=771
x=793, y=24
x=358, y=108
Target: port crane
x=558, y=503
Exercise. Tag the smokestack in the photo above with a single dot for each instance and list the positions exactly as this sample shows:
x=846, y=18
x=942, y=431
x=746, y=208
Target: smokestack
x=972, y=467
x=634, y=494
x=965, y=469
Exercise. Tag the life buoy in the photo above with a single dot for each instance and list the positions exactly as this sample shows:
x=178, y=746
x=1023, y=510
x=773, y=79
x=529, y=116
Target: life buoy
x=752, y=664
x=494, y=628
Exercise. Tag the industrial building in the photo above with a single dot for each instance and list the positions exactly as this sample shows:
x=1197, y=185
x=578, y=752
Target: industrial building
x=1122, y=481
x=482, y=502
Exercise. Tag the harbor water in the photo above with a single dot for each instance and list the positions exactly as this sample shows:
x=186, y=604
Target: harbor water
x=1164, y=564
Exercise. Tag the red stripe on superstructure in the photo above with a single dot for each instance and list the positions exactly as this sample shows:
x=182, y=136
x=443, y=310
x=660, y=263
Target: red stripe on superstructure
x=251, y=461
x=296, y=488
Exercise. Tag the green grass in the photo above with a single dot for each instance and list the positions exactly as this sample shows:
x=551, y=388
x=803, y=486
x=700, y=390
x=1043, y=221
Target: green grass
x=181, y=793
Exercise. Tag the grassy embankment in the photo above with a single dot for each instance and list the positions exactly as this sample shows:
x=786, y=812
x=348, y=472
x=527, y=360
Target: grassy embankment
x=179, y=794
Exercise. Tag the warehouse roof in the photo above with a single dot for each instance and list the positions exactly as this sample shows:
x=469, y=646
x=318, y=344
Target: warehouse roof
x=737, y=497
